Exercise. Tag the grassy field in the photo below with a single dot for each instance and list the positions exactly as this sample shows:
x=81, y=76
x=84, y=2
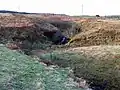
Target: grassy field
x=93, y=53
x=21, y=72
x=93, y=69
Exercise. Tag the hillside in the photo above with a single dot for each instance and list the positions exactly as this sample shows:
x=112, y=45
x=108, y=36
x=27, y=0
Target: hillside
x=98, y=32
x=92, y=54
x=21, y=72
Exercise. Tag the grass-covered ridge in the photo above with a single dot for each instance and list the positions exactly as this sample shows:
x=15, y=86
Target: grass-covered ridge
x=20, y=72
x=96, y=71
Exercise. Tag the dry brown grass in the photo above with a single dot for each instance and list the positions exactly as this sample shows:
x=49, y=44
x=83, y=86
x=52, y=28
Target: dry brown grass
x=94, y=63
x=98, y=32
x=15, y=20
x=102, y=52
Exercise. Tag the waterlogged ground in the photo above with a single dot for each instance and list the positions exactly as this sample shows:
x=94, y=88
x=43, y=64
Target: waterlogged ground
x=20, y=72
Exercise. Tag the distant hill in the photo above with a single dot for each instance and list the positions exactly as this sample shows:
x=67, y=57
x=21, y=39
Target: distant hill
x=8, y=11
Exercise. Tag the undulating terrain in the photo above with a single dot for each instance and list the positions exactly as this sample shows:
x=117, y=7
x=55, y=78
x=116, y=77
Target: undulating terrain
x=29, y=59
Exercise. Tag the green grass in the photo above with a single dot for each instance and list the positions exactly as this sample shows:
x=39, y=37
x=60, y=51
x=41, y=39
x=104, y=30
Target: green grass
x=96, y=71
x=20, y=72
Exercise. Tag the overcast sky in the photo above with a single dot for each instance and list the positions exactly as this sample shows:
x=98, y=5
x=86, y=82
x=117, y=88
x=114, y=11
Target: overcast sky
x=69, y=7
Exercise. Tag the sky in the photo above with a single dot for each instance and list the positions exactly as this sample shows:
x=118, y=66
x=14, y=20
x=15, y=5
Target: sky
x=69, y=7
